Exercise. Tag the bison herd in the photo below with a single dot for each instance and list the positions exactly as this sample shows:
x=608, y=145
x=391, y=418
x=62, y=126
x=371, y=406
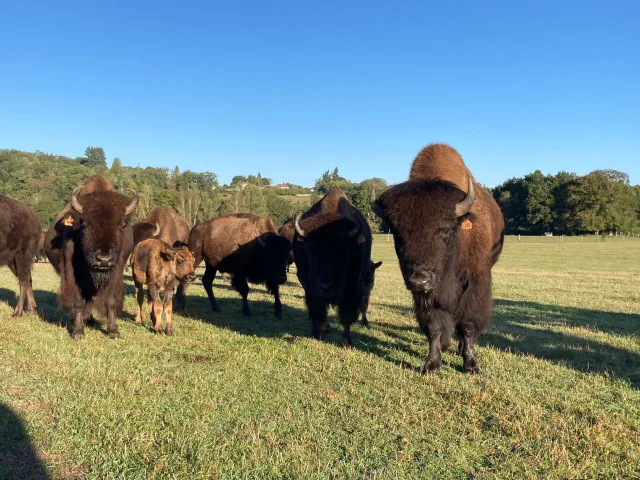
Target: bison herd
x=448, y=233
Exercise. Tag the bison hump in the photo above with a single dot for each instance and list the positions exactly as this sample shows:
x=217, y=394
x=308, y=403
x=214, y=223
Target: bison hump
x=440, y=161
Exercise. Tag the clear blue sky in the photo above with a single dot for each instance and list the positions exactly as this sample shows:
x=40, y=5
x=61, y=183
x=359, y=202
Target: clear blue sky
x=291, y=89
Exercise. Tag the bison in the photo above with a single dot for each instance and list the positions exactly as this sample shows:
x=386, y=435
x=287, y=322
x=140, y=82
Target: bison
x=40, y=255
x=369, y=280
x=161, y=267
x=88, y=244
x=248, y=247
x=288, y=231
x=448, y=233
x=19, y=236
x=332, y=251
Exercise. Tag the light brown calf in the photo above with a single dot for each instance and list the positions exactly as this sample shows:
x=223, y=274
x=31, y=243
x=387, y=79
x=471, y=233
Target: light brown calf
x=161, y=267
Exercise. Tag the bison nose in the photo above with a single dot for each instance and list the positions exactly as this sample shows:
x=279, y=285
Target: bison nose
x=104, y=259
x=421, y=281
x=191, y=278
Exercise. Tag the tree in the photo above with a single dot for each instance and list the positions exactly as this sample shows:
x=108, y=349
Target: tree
x=540, y=202
x=238, y=179
x=254, y=200
x=94, y=157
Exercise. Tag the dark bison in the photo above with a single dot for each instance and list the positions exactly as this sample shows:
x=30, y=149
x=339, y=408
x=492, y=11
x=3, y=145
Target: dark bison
x=332, y=250
x=288, y=231
x=369, y=280
x=160, y=267
x=248, y=247
x=165, y=224
x=88, y=244
x=19, y=236
x=448, y=233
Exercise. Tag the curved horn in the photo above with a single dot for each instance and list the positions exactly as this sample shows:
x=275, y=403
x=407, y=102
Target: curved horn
x=299, y=229
x=74, y=200
x=134, y=203
x=156, y=232
x=464, y=206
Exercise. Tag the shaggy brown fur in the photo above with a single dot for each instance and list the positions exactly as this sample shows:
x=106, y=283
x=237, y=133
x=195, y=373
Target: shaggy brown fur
x=41, y=256
x=89, y=249
x=245, y=245
x=445, y=259
x=19, y=235
x=161, y=267
x=332, y=250
x=288, y=231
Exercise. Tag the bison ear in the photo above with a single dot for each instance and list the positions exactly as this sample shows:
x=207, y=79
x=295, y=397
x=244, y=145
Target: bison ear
x=167, y=254
x=377, y=265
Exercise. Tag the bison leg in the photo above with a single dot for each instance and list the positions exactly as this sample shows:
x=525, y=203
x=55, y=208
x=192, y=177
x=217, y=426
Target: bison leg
x=433, y=322
x=168, y=310
x=239, y=282
x=469, y=356
x=112, y=326
x=26, y=291
x=139, y=302
x=207, y=283
x=318, y=314
x=181, y=296
x=275, y=289
x=78, y=320
x=347, y=317
x=364, y=307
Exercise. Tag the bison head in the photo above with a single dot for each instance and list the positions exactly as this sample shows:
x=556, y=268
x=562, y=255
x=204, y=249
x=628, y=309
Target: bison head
x=425, y=218
x=369, y=276
x=273, y=258
x=181, y=262
x=326, y=245
x=97, y=224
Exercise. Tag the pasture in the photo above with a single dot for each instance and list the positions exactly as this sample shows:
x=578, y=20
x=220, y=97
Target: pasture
x=235, y=397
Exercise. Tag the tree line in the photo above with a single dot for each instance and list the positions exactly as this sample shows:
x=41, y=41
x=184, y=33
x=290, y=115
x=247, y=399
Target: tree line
x=565, y=203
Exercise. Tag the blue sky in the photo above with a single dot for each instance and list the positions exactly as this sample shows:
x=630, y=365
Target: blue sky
x=291, y=89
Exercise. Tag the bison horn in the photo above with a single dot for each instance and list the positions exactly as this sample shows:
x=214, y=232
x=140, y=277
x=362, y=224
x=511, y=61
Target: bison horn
x=299, y=229
x=74, y=200
x=156, y=232
x=464, y=206
x=134, y=203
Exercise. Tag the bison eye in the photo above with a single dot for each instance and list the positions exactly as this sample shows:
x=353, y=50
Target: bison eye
x=180, y=262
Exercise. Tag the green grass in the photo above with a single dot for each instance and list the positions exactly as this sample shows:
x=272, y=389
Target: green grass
x=230, y=397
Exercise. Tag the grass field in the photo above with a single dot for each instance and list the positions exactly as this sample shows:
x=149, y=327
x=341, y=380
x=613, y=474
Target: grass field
x=230, y=397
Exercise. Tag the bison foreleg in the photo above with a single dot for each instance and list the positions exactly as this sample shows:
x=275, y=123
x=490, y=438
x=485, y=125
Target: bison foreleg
x=364, y=307
x=207, y=283
x=78, y=320
x=347, y=317
x=239, y=282
x=469, y=357
x=275, y=289
x=433, y=322
x=139, y=302
x=112, y=326
x=168, y=309
x=318, y=314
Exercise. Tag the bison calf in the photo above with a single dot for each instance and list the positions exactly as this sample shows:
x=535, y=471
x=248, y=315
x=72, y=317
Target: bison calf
x=161, y=267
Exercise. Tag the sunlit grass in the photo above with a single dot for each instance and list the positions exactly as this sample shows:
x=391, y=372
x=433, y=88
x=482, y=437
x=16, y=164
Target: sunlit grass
x=235, y=397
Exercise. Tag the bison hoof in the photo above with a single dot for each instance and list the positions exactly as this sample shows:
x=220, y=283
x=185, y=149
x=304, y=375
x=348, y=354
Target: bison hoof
x=246, y=312
x=317, y=336
x=215, y=308
x=16, y=314
x=279, y=314
x=473, y=370
x=430, y=366
x=365, y=322
x=346, y=343
x=169, y=331
x=114, y=335
x=77, y=335
x=325, y=327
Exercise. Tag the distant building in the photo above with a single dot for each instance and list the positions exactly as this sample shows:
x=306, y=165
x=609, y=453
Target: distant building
x=281, y=186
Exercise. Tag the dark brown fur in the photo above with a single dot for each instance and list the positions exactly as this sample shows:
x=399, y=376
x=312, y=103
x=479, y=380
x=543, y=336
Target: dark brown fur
x=41, y=256
x=245, y=245
x=73, y=241
x=288, y=231
x=447, y=267
x=369, y=279
x=161, y=267
x=331, y=259
x=19, y=235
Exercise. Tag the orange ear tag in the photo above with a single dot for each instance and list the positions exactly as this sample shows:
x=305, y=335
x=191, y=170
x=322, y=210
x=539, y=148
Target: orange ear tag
x=466, y=225
x=68, y=222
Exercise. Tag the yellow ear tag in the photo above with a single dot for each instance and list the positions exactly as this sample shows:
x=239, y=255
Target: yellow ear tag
x=360, y=238
x=466, y=225
x=68, y=222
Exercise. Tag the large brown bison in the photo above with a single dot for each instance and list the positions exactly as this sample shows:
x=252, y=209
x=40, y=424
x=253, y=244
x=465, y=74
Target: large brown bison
x=332, y=250
x=161, y=267
x=448, y=233
x=164, y=224
x=88, y=244
x=19, y=236
x=248, y=247
x=288, y=231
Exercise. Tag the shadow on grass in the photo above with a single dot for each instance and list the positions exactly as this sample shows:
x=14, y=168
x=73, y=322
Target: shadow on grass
x=528, y=328
x=18, y=458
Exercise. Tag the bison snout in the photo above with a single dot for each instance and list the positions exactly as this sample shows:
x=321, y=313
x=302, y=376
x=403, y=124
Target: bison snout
x=104, y=260
x=191, y=278
x=420, y=281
